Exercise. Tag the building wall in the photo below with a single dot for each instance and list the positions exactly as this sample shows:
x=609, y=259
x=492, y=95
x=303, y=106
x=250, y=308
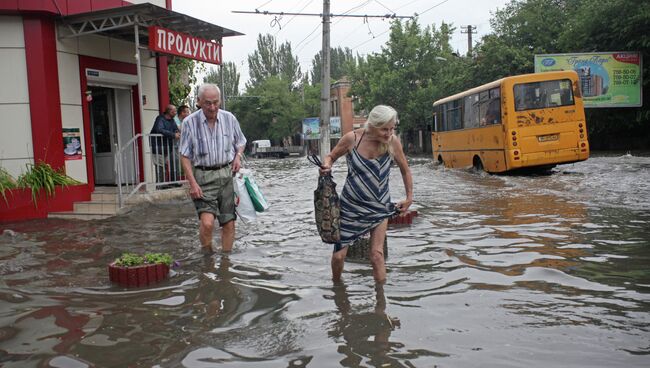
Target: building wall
x=16, y=149
x=339, y=95
x=68, y=52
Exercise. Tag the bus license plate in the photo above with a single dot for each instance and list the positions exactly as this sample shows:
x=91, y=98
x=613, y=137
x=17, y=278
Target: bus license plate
x=548, y=138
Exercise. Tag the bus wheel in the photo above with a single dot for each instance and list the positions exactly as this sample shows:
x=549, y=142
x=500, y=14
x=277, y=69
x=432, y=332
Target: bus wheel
x=477, y=164
x=440, y=161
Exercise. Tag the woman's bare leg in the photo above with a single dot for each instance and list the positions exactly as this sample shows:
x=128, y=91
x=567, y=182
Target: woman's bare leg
x=338, y=260
x=377, y=236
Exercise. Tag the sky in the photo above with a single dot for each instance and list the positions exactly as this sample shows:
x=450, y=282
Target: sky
x=363, y=36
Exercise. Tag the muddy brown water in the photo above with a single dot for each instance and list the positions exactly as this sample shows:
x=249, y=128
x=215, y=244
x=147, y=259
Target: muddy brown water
x=496, y=271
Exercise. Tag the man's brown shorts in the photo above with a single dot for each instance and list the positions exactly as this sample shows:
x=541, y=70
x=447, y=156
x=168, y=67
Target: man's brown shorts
x=218, y=194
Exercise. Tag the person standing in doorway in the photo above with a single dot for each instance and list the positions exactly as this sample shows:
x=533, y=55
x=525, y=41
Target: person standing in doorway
x=365, y=199
x=212, y=145
x=183, y=112
x=162, y=148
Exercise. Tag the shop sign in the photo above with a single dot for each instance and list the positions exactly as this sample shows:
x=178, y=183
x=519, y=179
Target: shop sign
x=181, y=44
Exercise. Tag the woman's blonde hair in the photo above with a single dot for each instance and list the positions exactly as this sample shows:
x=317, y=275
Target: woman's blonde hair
x=379, y=116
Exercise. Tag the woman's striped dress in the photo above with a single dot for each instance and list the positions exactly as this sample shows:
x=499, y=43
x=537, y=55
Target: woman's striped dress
x=365, y=200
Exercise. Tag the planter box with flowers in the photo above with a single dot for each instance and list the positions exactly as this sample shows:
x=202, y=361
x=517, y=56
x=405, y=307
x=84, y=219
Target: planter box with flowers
x=133, y=270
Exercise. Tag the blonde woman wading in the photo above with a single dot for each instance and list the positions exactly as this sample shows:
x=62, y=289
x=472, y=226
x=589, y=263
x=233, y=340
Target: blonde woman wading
x=365, y=199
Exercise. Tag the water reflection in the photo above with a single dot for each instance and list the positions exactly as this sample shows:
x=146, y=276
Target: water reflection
x=366, y=334
x=496, y=271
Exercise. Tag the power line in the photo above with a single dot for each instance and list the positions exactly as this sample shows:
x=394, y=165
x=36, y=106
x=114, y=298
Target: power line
x=387, y=8
x=417, y=14
x=292, y=18
x=435, y=6
x=265, y=12
x=263, y=4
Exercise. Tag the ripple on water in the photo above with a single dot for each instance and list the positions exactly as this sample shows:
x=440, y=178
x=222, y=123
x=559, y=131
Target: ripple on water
x=495, y=271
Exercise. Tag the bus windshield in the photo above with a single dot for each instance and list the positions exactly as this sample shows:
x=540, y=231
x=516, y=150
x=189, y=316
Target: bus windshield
x=541, y=95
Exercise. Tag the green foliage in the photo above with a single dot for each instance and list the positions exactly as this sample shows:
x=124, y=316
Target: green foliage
x=269, y=60
x=528, y=27
x=129, y=259
x=341, y=63
x=155, y=258
x=413, y=69
x=43, y=176
x=6, y=182
x=275, y=113
x=181, y=78
x=132, y=259
x=231, y=77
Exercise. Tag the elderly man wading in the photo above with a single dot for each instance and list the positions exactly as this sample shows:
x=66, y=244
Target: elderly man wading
x=212, y=145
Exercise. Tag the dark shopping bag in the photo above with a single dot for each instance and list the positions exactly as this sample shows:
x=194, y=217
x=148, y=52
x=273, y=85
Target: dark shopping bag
x=327, y=207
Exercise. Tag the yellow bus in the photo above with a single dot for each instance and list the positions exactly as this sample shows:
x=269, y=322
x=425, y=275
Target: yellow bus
x=527, y=121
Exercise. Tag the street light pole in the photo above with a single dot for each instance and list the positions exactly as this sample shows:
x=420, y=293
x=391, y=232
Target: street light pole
x=325, y=88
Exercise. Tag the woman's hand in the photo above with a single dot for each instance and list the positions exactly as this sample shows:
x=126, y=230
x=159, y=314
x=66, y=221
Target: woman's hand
x=325, y=169
x=403, y=206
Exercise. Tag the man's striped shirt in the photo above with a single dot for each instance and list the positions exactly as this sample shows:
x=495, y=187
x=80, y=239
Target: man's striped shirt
x=211, y=147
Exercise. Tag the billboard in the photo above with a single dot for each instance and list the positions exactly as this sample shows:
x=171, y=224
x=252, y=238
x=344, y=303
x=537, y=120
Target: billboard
x=311, y=127
x=607, y=79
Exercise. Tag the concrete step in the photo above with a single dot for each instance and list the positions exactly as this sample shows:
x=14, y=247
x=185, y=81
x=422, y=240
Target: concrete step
x=103, y=197
x=96, y=207
x=70, y=215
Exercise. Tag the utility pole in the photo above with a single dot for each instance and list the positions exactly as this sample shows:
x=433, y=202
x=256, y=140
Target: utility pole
x=469, y=29
x=324, y=128
x=325, y=70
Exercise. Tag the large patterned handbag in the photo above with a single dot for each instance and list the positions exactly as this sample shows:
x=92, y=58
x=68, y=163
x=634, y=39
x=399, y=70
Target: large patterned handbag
x=326, y=207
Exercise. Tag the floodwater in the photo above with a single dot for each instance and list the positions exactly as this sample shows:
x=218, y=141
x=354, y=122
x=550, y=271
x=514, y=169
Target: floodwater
x=497, y=271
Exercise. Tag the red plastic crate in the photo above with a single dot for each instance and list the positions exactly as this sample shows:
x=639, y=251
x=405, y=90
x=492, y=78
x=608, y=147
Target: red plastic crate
x=407, y=219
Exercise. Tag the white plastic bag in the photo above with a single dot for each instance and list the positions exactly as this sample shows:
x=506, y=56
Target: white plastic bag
x=244, y=205
x=257, y=198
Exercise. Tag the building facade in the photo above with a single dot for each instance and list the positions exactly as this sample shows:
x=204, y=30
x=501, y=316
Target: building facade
x=80, y=80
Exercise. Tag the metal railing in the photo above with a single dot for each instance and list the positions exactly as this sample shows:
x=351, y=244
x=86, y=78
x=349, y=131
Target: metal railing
x=165, y=170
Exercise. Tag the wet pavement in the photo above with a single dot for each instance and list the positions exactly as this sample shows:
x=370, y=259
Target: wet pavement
x=496, y=271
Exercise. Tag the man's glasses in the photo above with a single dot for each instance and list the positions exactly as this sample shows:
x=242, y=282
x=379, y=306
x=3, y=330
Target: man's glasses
x=210, y=103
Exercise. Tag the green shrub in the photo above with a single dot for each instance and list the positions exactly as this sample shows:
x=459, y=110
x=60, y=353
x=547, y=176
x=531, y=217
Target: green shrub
x=43, y=176
x=132, y=259
x=6, y=182
x=154, y=258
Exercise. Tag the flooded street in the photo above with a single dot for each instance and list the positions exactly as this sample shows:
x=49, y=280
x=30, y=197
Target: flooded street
x=496, y=271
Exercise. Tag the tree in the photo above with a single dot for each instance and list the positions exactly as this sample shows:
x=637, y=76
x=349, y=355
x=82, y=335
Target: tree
x=528, y=27
x=269, y=60
x=271, y=111
x=521, y=30
x=341, y=62
x=230, y=85
x=594, y=28
x=181, y=77
x=413, y=69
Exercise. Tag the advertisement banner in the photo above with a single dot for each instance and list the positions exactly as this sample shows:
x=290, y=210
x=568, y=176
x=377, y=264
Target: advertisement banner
x=311, y=127
x=71, y=144
x=607, y=79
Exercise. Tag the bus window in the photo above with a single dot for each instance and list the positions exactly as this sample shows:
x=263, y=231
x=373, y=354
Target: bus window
x=492, y=113
x=453, y=115
x=470, y=111
x=443, y=118
x=540, y=95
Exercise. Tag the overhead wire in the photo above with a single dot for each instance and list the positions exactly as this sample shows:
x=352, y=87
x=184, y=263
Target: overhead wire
x=388, y=30
x=266, y=3
x=292, y=18
x=362, y=4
